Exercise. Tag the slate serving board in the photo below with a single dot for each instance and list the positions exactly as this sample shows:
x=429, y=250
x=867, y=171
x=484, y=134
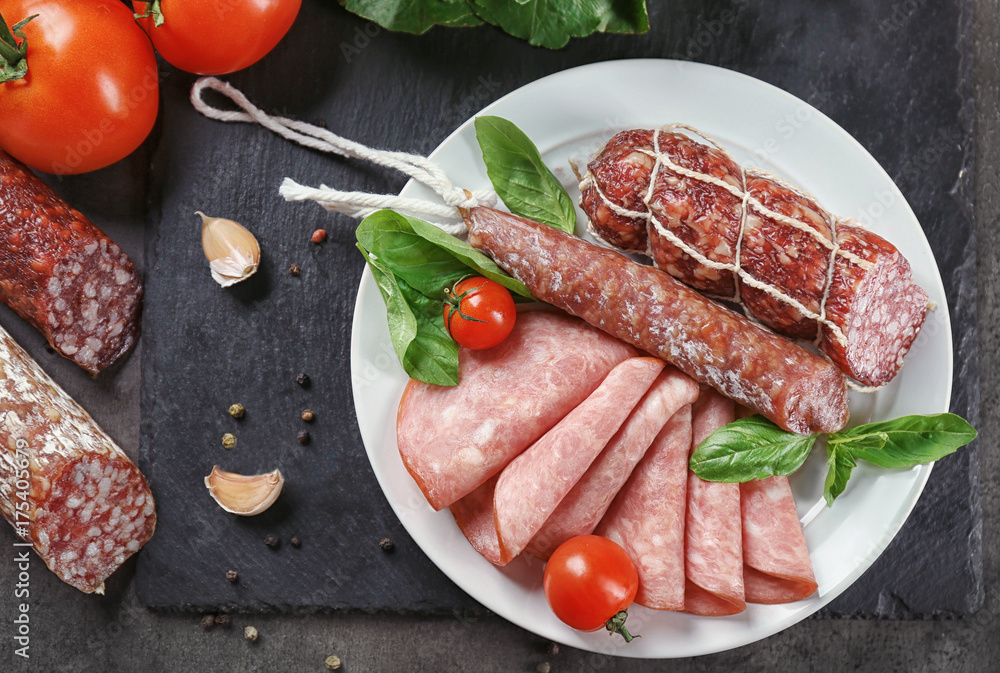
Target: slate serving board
x=898, y=81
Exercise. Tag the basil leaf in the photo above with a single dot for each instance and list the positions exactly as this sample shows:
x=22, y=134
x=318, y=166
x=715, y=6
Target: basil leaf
x=426, y=257
x=750, y=448
x=910, y=440
x=520, y=177
x=868, y=442
x=425, y=350
x=840, y=463
x=551, y=23
x=413, y=16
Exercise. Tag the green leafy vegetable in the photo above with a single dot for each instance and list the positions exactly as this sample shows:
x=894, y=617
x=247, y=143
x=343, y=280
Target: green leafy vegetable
x=754, y=448
x=520, y=177
x=750, y=448
x=840, y=463
x=425, y=350
x=545, y=23
x=909, y=440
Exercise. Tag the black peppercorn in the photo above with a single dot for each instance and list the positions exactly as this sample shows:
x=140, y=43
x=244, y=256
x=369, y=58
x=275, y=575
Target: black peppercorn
x=295, y=542
x=272, y=540
x=232, y=575
x=207, y=622
x=222, y=620
x=294, y=269
x=304, y=437
x=386, y=545
x=303, y=380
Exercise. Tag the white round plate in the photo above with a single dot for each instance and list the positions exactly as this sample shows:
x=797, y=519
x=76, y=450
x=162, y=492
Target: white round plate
x=760, y=125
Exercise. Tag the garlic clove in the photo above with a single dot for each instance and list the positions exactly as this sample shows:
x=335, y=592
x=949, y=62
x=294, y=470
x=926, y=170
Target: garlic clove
x=232, y=252
x=244, y=495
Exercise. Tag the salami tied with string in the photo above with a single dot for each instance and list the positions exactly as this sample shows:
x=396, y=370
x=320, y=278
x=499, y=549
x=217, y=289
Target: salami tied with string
x=744, y=235
x=62, y=274
x=65, y=486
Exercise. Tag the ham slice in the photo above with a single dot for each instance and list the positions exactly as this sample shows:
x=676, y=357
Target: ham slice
x=713, y=536
x=532, y=486
x=776, y=565
x=647, y=516
x=582, y=508
x=452, y=439
x=474, y=515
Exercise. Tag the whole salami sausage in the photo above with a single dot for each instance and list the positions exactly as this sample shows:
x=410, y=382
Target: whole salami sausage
x=745, y=235
x=644, y=306
x=65, y=486
x=64, y=275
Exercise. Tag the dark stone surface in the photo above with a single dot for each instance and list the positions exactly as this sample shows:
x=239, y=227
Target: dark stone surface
x=896, y=76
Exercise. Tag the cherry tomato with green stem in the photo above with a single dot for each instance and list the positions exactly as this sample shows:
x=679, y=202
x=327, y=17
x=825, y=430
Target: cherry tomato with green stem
x=479, y=313
x=79, y=86
x=215, y=37
x=590, y=582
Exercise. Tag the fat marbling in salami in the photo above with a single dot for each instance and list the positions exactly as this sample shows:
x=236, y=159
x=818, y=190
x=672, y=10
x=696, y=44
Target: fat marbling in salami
x=745, y=235
x=62, y=274
x=65, y=486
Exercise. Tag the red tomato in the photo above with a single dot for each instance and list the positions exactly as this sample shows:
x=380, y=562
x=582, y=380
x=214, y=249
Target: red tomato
x=92, y=89
x=479, y=313
x=218, y=37
x=589, y=582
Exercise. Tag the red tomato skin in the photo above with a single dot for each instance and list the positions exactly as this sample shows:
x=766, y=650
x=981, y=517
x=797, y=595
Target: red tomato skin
x=221, y=36
x=588, y=580
x=486, y=300
x=92, y=89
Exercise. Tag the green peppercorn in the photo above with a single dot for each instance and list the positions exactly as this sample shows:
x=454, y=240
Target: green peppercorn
x=228, y=440
x=237, y=411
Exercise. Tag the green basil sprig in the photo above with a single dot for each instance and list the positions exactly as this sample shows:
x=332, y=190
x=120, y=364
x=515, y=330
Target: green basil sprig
x=755, y=448
x=413, y=262
x=520, y=177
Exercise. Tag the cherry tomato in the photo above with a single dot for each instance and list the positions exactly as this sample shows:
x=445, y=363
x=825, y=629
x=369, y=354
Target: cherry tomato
x=92, y=89
x=220, y=36
x=589, y=582
x=479, y=313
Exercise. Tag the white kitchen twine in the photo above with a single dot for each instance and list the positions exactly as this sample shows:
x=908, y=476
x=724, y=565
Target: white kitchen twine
x=352, y=204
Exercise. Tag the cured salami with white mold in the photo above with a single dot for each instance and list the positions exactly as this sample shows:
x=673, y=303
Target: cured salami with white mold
x=776, y=564
x=743, y=234
x=646, y=307
x=533, y=485
x=713, y=549
x=647, y=516
x=65, y=486
x=63, y=275
x=581, y=510
x=452, y=439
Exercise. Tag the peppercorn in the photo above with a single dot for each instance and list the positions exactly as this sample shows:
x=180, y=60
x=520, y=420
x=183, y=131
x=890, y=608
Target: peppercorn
x=295, y=542
x=228, y=440
x=320, y=122
x=294, y=269
x=303, y=380
x=319, y=235
x=543, y=667
x=237, y=410
x=272, y=540
x=250, y=633
x=553, y=648
x=207, y=622
x=304, y=437
x=386, y=544
x=232, y=575
x=222, y=620
x=308, y=416
x=332, y=662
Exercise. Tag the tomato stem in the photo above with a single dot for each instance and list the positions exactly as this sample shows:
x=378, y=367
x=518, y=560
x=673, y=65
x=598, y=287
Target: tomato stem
x=152, y=10
x=617, y=625
x=455, y=302
x=13, y=61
